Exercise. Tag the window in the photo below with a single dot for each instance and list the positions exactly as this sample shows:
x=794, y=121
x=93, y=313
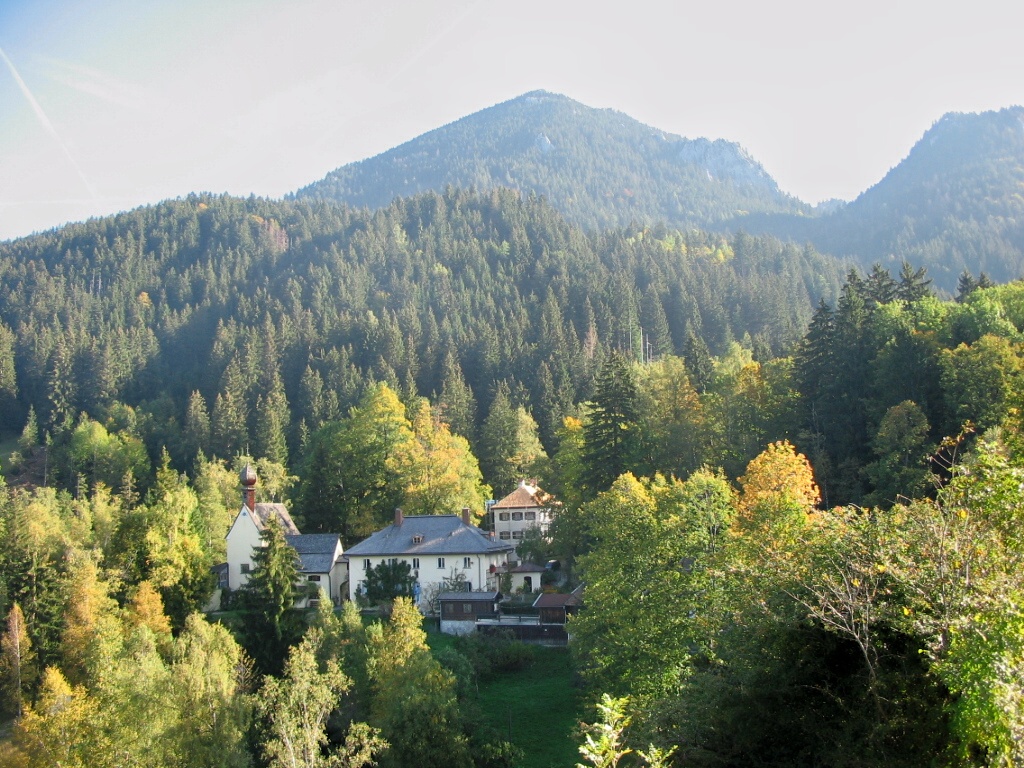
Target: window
x=531, y=515
x=517, y=515
x=503, y=516
x=366, y=564
x=467, y=562
x=467, y=607
x=393, y=561
x=517, y=535
x=504, y=535
x=313, y=577
x=449, y=608
x=245, y=567
x=440, y=562
x=417, y=538
x=416, y=563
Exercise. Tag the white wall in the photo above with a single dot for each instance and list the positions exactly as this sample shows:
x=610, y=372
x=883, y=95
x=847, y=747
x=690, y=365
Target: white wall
x=243, y=536
x=431, y=574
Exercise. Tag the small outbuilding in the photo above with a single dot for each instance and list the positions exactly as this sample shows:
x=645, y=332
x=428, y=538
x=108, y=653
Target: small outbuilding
x=522, y=578
x=460, y=610
x=556, y=607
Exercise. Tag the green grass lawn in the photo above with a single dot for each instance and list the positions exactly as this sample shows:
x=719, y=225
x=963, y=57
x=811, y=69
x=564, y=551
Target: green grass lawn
x=538, y=709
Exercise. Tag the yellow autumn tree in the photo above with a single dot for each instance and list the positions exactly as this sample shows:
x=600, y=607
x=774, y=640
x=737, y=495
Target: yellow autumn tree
x=441, y=474
x=61, y=728
x=89, y=604
x=778, y=476
x=147, y=609
x=778, y=495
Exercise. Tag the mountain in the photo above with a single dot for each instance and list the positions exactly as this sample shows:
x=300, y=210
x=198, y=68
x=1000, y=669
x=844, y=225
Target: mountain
x=955, y=202
x=598, y=167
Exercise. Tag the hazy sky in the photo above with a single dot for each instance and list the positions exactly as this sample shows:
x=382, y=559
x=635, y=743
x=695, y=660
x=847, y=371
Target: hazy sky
x=110, y=104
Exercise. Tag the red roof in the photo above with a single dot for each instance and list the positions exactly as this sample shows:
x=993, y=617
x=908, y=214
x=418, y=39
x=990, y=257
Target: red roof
x=523, y=497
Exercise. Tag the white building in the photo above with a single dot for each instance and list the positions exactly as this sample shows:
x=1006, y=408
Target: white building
x=526, y=507
x=436, y=547
x=322, y=561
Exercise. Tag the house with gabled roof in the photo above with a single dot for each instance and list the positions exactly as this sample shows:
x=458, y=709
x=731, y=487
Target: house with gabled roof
x=526, y=507
x=321, y=558
x=440, y=549
x=322, y=566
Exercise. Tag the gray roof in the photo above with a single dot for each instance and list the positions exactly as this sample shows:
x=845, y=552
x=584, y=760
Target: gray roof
x=476, y=597
x=264, y=511
x=441, y=535
x=316, y=550
x=522, y=568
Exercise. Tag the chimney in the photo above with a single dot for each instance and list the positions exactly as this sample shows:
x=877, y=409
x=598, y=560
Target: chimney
x=248, y=478
x=399, y=517
x=465, y=516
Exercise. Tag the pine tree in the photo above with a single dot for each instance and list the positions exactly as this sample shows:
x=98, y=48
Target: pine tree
x=61, y=387
x=611, y=435
x=229, y=431
x=196, y=433
x=913, y=284
x=497, y=440
x=270, y=596
x=880, y=287
x=29, y=439
x=698, y=362
x=8, y=377
x=456, y=401
x=654, y=323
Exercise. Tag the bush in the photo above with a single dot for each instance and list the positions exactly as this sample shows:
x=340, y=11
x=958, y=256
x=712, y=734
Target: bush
x=494, y=653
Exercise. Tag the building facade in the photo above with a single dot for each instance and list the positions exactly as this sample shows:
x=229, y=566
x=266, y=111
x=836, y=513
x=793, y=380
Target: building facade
x=526, y=507
x=441, y=550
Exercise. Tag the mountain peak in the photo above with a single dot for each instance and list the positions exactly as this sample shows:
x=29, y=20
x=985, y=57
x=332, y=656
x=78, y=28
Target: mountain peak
x=599, y=167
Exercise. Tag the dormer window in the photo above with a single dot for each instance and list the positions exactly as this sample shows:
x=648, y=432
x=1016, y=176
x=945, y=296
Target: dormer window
x=417, y=538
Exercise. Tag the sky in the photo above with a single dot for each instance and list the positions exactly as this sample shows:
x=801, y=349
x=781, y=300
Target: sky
x=106, y=105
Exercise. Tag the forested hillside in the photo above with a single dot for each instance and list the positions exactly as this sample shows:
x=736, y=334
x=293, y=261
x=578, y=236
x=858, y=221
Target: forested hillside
x=599, y=168
x=270, y=319
x=953, y=204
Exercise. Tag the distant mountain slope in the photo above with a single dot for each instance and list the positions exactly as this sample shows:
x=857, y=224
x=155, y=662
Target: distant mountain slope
x=956, y=202
x=241, y=299
x=600, y=168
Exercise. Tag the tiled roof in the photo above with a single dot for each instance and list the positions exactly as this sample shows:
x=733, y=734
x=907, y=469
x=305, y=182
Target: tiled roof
x=316, y=550
x=429, y=535
x=264, y=511
x=523, y=497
